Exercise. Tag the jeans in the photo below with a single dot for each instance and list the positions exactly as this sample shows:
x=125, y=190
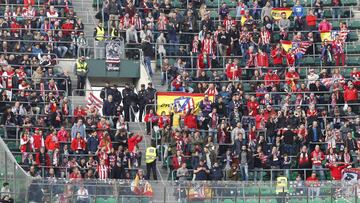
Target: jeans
x=62, y=50
x=313, y=192
x=147, y=61
x=244, y=170
x=257, y=172
x=318, y=168
x=164, y=78
x=172, y=48
x=336, y=13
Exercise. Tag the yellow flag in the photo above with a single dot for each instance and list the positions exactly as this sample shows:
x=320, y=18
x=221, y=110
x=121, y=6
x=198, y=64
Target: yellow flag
x=325, y=36
x=276, y=13
x=287, y=45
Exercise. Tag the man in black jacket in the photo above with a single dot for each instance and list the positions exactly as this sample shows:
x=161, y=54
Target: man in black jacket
x=150, y=94
x=116, y=95
x=127, y=101
x=148, y=53
x=141, y=101
x=109, y=107
x=105, y=91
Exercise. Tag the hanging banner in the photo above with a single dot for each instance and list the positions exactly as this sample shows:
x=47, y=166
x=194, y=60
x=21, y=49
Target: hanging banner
x=113, y=53
x=179, y=102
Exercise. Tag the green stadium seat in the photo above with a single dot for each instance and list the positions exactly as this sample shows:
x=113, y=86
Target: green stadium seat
x=228, y=201
x=133, y=200
x=100, y=200
x=308, y=61
x=240, y=201
x=111, y=200
x=18, y=159
x=353, y=36
x=353, y=25
x=353, y=61
x=145, y=200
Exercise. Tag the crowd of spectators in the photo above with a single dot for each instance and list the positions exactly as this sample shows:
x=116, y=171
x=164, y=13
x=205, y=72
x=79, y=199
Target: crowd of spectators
x=269, y=111
x=80, y=143
x=265, y=114
x=44, y=28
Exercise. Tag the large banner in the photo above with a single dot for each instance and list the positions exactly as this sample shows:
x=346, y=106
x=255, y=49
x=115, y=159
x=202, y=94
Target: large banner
x=179, y=102
x=276, y=13
x=113, y=53
x=351, y=175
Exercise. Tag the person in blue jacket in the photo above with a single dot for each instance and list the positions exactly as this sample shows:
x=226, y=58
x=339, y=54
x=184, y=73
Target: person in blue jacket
x=299, y=13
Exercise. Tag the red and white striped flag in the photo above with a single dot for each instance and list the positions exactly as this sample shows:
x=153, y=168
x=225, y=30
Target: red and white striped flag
x=303, y=46
x=94, y=101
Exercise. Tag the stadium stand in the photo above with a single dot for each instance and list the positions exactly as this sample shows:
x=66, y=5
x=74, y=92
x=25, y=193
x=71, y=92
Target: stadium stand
x=273, y=90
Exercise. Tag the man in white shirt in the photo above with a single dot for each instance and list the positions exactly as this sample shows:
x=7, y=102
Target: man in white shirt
x=82, y=195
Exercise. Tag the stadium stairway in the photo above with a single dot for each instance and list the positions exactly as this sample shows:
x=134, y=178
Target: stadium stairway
x=90, y=22
x=156, y=79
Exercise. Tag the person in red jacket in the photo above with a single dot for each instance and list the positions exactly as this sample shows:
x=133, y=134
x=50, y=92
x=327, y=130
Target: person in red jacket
x=271, y=79
x=25, y=145
x=278, y=55
x=291, y=78
x=313, y=183
x=351, y=97
x=311, y=20
x=78, y=144
x=355, y=76
x=42, y=158
x=177, y=160
x=262, y=61
x=37, y=140
x=336, y=169
x=177, y=84
x=203, y=62
x=163, y=120
x=253, y=106
x=151, y=119
x=233, y=71
x=133, y=141
x=190, y=121
x=317, y=156
x=290, y=58
x=67, y=27
x=52, y=142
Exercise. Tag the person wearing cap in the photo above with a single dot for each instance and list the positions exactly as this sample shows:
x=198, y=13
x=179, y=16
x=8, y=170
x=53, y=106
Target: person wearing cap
x=141, y=101
x=150, y=94
x=81, y=70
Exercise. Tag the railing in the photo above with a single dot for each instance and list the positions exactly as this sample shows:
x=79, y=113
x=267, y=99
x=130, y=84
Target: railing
x=257, y=174
x=186, y=191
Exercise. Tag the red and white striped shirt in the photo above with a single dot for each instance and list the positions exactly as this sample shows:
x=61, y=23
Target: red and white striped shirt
x=162, y=22
x=103, y=172
x=136, y=21
x=208, y=45
x=195, y=46
x=228, y=23
x=265, y=37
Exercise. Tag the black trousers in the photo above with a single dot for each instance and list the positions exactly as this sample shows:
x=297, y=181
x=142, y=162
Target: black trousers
x=126, y=112
x=151, y=167
x=81, y=84
x=141, y=112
